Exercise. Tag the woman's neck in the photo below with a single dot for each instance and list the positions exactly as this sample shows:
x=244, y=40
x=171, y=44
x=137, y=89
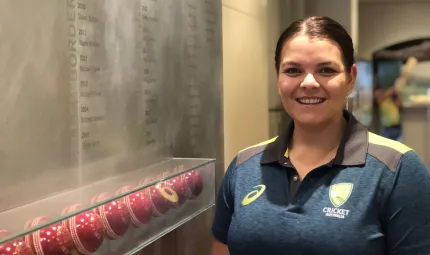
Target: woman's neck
x=317, y=143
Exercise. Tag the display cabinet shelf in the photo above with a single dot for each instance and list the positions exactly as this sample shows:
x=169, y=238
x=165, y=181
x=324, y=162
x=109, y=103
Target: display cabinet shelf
x=120, y=215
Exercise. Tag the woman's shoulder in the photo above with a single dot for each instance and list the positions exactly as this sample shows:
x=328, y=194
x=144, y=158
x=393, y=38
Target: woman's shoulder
x=246, y=154
x=391, y=153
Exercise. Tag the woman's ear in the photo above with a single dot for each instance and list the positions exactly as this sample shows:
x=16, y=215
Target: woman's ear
x=352, y=78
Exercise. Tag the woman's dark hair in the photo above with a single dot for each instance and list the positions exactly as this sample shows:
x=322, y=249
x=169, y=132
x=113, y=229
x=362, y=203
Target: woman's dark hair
x=319, y=27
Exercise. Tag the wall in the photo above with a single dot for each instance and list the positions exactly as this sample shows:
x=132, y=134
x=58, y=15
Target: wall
x=343, y=11
x=250, y=31
x=422, y=70
x=382, y=24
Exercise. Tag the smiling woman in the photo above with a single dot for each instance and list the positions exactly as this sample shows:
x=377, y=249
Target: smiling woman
x=326, y=185
x=316, y=71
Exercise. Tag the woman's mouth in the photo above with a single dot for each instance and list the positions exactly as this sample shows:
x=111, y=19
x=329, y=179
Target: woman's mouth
x=310, y=101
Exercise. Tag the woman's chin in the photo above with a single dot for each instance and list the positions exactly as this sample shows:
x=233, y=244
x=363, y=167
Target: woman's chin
x=309, y=119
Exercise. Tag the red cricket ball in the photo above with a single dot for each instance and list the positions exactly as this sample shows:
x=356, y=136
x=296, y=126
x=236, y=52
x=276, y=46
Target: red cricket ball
x=194, y=184
x=54, y=239
x=179, y=186
x=85, y=228
x=162, y=198
x=14, y=247
x=138, y=205
x=114, y=215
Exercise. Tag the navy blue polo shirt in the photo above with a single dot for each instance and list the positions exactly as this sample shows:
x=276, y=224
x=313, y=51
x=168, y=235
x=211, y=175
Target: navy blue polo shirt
x=372, y=198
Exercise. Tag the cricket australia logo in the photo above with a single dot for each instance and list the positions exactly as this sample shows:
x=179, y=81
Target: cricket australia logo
x=339, y=194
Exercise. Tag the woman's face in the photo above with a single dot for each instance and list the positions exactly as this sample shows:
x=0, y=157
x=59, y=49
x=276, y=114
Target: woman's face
x=312, y=80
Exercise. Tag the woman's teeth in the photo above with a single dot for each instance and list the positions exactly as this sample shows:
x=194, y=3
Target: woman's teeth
x=310, y=100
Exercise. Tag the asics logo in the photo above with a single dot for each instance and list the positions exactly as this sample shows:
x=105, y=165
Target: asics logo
x=253, y=195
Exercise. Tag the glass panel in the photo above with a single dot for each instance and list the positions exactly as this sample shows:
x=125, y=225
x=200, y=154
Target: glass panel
x=172, y=192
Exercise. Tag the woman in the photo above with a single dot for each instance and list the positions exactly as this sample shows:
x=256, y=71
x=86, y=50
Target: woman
x=326, y=185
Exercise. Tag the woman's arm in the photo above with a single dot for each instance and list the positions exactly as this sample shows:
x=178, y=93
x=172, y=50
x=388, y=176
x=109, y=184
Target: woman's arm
x=380, y=94
x=407, y=208
x=219, y=248
x=224, y=209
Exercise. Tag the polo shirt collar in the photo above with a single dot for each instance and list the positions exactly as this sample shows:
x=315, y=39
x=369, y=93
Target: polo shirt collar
x=352, y=150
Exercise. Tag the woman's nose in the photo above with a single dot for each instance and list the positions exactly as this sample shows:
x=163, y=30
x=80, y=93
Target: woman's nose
x=309, y=82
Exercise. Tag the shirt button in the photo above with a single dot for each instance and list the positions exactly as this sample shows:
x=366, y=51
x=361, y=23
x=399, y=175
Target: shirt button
x=295, y=178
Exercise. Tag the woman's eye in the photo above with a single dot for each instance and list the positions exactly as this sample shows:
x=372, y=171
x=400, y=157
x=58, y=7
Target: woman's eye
x=293, y=71
x=327, y=70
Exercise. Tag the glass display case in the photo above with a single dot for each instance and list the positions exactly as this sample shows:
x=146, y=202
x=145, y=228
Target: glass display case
x=111, y=134
x=120, y=215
